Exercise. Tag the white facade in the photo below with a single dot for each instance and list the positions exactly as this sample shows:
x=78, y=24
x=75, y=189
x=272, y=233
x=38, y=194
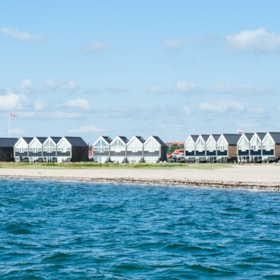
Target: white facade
x=101, y=149
x=21, y=149
x=152, y=150
x=35, y=149
x=118, y=149
x=190, y=146
x=64, y=151
x=135, y=149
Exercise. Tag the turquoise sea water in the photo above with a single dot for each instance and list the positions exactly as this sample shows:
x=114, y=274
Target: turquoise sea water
x=73, y=230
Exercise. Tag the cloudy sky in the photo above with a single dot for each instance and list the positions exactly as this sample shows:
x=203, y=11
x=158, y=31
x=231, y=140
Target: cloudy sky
x=168, y=68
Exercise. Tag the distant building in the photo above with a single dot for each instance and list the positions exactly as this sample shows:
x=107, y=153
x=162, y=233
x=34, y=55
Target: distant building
x=135, y=149
x=118, y=149
x=101, y=149
x=155, y=150
x=7, y=149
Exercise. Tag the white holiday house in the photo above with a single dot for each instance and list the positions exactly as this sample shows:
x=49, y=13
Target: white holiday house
x=50, y=149
x=101, y=149
x=135, y=149
x=118, y=149
x=36, y=149
x=21, y=149
x=200, y=147
x=155, y=150
x=211, y=147
x=256, y=146
x=271, y=146
x=243, y=146
x=190, y=148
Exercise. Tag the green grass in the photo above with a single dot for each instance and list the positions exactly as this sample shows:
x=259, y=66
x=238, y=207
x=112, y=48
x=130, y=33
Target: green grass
x=99, y=165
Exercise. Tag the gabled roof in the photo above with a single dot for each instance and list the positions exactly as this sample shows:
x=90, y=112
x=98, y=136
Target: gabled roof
x=194, y=137
x=159, y=140
x=216, y=136
x=232, y=139
x=275, y=136
x=261, y=135
x=27, y=139
x=41, y=139
x=140, y=138
x=205, y=136
x=7, y=142
x=249, y=135
x=55, y=139
x=123, y=138
x=76, y=141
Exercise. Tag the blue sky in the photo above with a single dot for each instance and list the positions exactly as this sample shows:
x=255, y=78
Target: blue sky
x=151, y=67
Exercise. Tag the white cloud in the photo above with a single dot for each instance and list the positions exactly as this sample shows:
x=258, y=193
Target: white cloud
x=86, y=128
x=250, y=90
x=116, y=88
x=258, y=40
x=222, y=87
x=20, y=35
x=185, y=86
x=157, y=89
x=221, y=106
x=95, y=47
x=174, y=44
x=51, y=84
x=78, y=103
x=257, y=110
x=12, y=101
x=39, y=105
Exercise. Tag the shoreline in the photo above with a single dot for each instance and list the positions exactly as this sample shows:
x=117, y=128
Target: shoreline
x=251, y=177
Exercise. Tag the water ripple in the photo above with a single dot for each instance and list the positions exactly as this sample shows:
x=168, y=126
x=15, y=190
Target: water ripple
x=70, y=230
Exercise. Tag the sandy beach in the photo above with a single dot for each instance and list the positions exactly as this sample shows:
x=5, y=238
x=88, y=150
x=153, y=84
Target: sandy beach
x=263, y=177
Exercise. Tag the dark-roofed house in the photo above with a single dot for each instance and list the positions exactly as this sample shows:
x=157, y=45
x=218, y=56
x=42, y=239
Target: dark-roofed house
x=118, y=149
x=256, y=147
x=50, y=149
x=72, y=149
x=271, y=146
x=21, y=149
x=200, y=148
x=227, y=147
x=211, y=147
x=7, y=149
x=135, y=149
x=101, y=149
x=155, y=150
x=36, y=148
x=243, y=146
x=190, y=148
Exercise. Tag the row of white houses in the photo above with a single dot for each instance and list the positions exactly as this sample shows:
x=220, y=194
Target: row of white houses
x=249, y=147
x=43, y=149
x=124, y=150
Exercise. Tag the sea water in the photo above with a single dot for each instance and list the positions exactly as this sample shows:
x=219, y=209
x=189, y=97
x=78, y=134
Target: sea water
x=74, y=230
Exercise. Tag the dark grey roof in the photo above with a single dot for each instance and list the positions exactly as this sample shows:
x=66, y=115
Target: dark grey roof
x=140, y=138
x=55, y=139
x=275, y=136
x=261, y=134
x=27, y=139
x=159, y=140
x=194, y=137
x=216, y=136
x=76, y=141
x=249, y=135
x=7, y=142
x=107, y=139
x=42, y=139
x=205, y=136
x=232, y=139
x=124, y=139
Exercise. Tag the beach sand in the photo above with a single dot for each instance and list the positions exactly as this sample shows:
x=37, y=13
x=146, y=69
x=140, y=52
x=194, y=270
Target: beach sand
x=262, y=177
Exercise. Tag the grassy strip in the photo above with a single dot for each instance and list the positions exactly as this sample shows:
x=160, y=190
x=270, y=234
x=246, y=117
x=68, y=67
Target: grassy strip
x=99, y=165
